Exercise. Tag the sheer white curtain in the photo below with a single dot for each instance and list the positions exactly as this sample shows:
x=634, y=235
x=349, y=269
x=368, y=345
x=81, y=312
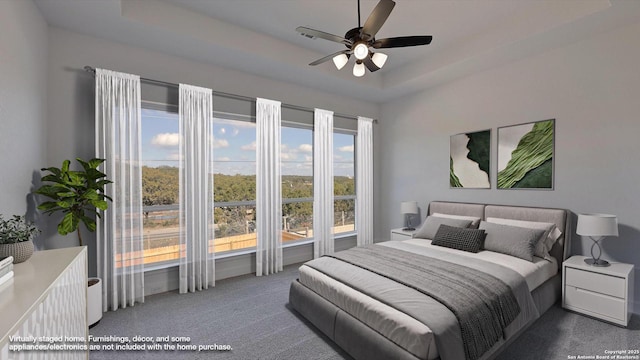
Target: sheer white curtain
x=196, y=184
x=119, y=230
x=322, y=183
x=364, y=181
x=268, y=187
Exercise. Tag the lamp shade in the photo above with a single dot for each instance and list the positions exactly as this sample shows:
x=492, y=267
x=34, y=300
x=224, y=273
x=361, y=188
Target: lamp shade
x=379, y=59
x=409, y=207
x=597, y=225
x=358, y=69
x=340, y=61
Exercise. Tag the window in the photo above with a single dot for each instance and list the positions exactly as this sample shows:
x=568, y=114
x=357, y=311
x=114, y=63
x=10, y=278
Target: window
x=160, y=185
x=344, y=188
x=234, y=174
x=234, y=168
x=296, y=156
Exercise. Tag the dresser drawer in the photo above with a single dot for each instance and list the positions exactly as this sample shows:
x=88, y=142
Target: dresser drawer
x=605, y=305
x=604, y=284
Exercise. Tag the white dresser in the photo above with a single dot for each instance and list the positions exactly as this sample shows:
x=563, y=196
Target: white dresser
x=46, y=298
x=602, y=292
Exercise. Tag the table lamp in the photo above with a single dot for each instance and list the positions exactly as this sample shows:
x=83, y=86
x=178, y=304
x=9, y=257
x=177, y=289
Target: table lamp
x=597, y=227
x=407, y=208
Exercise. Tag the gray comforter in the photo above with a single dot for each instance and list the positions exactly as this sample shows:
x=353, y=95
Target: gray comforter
x=449, y=337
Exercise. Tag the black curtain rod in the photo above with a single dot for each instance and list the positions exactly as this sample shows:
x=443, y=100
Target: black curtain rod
x=234, y=96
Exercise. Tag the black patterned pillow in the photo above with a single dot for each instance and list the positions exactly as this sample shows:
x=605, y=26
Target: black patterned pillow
x=459, y=238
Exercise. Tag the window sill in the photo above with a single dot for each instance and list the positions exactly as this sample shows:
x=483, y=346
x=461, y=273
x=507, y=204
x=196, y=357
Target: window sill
x=230, y=254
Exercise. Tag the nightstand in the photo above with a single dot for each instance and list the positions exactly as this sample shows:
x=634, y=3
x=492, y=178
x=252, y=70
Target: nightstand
x=399, y=234
x=602, y=292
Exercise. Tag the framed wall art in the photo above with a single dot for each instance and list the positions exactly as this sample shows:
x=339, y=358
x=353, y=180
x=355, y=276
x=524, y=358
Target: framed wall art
x=470, y=160
x=526, y=155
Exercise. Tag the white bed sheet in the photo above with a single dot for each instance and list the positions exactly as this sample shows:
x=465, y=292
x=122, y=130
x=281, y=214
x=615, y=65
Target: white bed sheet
x=398, y=327
x=535, y=273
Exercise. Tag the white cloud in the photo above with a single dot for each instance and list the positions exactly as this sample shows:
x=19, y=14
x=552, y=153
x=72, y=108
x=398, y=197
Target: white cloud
x=308, y=158
x=249, y=147
x=235, y=131
x=174, y=156
x=222, y=131
x=348, y=148
x=305, y=148
x=220, y=143
x=166, y=139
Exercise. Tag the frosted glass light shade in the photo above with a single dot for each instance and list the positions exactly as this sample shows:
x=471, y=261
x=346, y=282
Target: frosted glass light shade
x=358, y=69
x=340, y=61
x=597, y=225
x=409, y=207
x=361, y=51
x=379, y=59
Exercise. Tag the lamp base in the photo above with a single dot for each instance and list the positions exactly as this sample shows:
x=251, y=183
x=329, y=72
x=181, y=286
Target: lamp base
x=408, y=229
x=597, y=262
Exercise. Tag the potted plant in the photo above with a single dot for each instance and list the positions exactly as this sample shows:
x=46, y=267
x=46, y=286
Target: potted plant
x=16, y=238
x=77, y=195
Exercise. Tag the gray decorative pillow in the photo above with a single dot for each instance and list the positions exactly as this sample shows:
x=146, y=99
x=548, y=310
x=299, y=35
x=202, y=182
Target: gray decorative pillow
x=431, y=224
x=511, y=240
x=459, y=238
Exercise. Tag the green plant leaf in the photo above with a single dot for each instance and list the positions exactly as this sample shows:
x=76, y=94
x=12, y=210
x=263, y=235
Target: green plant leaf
x=89, y=223
x=65, y=204
x=91, y=194
x=68, y=224
x=65, y=166
x=48, y=205
x=100, y=204
x=95, y=162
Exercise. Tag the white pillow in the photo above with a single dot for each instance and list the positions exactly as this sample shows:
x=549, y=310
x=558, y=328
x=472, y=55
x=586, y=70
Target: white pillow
x=431, y=224
x=475, y=221
x=546, y=242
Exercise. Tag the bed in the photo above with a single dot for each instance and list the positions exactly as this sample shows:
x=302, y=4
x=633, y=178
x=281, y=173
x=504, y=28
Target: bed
x=372, y=314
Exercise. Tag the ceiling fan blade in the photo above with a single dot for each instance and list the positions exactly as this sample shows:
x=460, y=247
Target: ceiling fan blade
x=370, y=64
x=311, y=33
x=329, y=57
x=377, y=18
x=402, y=41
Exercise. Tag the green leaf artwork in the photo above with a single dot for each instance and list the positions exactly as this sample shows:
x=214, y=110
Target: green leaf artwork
x=525, y=156
x=469, y=160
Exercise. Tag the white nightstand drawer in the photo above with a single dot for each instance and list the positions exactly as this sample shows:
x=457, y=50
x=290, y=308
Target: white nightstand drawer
x=599, y=283
x=605, y=305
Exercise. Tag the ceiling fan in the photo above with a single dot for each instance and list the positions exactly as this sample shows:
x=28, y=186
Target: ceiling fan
x=361, y=41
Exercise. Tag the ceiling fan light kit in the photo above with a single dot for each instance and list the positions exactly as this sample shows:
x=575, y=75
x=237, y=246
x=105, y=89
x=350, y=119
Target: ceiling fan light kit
x=361, y=42
x=358, y=69
x=340, y=61
x=379, y=59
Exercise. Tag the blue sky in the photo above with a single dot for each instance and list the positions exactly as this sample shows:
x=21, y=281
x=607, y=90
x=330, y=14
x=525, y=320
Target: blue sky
x=234, y=146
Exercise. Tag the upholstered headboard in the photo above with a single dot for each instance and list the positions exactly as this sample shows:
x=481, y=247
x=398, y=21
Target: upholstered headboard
x=560, y=217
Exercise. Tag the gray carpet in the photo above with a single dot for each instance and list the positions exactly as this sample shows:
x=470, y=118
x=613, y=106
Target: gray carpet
x=236, y=313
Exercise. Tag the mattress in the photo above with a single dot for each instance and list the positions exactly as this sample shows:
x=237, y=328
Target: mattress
x=535, y=273
x=407, y=332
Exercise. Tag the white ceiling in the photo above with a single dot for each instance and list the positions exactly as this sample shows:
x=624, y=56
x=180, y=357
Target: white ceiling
x=259, y=37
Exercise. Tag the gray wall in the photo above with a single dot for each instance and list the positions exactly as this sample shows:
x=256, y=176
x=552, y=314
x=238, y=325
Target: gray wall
x=23, y=80
x=71, y=96
x=591, y=88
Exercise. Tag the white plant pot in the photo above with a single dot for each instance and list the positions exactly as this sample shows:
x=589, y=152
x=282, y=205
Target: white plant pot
x=94, y=302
